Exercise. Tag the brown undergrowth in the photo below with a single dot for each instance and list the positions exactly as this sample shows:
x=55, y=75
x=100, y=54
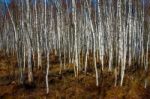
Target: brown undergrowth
x=66, y=86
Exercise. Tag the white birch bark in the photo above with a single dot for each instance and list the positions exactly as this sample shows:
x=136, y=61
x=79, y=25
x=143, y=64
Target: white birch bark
x=75, y=38
x=93, y=36
x=29, y=49
x=46, y=45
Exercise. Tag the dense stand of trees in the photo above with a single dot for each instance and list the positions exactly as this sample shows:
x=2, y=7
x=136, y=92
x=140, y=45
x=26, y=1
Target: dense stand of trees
x=111, y=32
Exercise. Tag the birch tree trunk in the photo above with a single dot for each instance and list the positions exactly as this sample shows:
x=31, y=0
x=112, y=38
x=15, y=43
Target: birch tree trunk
x=93, y=36
x=75, y=38
x=46, y=45
x=29, y=49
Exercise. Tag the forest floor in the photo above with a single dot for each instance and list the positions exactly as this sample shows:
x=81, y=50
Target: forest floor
x=66, y=86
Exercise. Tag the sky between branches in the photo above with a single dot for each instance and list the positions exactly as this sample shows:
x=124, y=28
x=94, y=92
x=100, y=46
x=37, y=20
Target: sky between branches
x=3, y=3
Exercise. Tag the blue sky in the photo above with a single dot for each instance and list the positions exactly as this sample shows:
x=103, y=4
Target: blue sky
x=94, y=3
x=5, y=1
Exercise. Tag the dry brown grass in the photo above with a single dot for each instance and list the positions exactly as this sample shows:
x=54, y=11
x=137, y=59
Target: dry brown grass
x=66, y=86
